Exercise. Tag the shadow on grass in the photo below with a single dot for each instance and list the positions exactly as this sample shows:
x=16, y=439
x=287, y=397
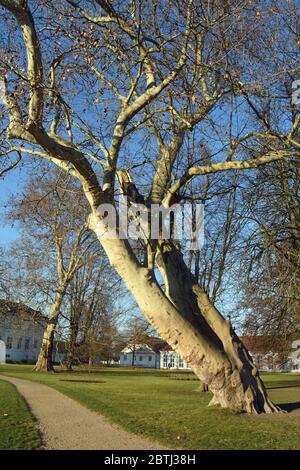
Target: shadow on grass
x=83, y=381
x=129, y=372
x=289, y=407
x=290, y=385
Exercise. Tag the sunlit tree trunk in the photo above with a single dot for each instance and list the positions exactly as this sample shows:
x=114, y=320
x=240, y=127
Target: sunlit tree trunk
x=191, y=325
x=45, y=359
x=241, y=387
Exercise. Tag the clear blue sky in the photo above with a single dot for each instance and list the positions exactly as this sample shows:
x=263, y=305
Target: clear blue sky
x=10, y=185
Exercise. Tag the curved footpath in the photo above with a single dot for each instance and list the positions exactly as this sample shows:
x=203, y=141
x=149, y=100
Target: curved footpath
x=65, y=424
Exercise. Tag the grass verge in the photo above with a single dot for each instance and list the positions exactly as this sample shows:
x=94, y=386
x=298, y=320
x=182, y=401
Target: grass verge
x=18, y=430
x=151, y=403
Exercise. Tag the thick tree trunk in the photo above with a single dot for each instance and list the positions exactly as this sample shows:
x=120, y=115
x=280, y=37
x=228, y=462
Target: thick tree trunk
x=184, y=318
x=244, y=390
x=44, y=362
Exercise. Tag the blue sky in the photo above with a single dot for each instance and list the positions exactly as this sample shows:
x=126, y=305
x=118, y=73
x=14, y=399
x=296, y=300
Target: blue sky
x=10, y=185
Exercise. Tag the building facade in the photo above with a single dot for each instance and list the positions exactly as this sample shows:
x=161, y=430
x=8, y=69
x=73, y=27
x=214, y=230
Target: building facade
x=271, y=357
x=293, y=362
x=157, y=354
x=139, y=355
x=169, y=359
x=21, y=332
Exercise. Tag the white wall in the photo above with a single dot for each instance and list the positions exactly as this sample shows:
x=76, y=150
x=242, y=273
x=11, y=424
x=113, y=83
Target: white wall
x=23, y=338
x=172, y=360
x=294, y=357
x=2, y=352
x=142, y=359
x=143, y=353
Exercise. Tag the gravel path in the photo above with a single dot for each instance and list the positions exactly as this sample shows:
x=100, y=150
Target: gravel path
x=66, y=424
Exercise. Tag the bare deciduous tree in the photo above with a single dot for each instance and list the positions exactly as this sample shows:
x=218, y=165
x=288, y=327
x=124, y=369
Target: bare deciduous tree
x=93, y=314
x=55, y=244
x=127, y=85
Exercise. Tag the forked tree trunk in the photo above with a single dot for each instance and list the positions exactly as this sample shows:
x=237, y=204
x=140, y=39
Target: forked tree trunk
x=189, y=323
x=243, y=389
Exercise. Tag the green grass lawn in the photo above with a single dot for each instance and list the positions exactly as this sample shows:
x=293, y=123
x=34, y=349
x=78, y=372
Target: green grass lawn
x=167, y=406
x=17, y=427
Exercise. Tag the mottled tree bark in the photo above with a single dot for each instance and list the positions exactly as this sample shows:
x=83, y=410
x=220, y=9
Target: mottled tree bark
x=241, y=387
x=191, y=325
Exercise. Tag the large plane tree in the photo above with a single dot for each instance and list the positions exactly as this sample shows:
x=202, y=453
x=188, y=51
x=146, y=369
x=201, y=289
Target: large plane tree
x=170, y=91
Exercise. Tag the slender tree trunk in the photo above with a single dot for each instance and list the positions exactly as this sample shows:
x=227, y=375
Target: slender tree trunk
x=44, y=362
x=190, y=324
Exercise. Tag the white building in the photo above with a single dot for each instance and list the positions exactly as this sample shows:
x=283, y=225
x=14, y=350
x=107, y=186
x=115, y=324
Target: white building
x=139, y=355
x=157, y=354
x=170, y=359
x=21, y=331
x=271, y=357
x=293, y=362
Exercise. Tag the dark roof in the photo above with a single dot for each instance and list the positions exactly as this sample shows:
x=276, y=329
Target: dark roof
x=255, y=344
x=155, y=343
x=264, y=344
x=10, y=307
x=166, y=348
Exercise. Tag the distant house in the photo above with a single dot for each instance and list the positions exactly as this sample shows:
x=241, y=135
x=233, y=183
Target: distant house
x=21, y=331
x=293, y=360
x=154, y=352
x=139, y=355
x=270, y=355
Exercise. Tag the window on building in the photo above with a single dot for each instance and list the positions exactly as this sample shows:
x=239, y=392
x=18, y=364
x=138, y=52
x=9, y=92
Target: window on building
x=35, y=343
x=140, y=358
x=295, y=366
x=172, y=361
x=27, y=342
x=9, y=342
x=149, y=358
x=125, y=357
x=180, y=363
x=20, y=340
x=165, y=360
